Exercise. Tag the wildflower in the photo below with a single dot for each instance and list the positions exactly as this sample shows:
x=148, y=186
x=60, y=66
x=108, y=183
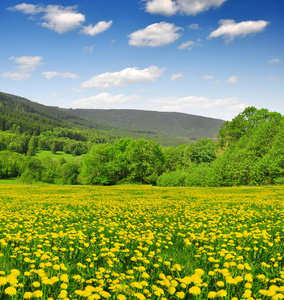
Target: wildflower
x=121, y=297
x=3, y=280
x=11, y=291
x=36, y=284
x=37, y=294
x=199, y=272
x=195, y=290
x=28, y=295
x=212, y=295
x=171, y=290
x=180, y=295
x=222, y=293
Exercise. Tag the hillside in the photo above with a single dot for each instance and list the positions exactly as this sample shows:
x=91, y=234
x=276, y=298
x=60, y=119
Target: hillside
x=180, y=126
x=168, y=128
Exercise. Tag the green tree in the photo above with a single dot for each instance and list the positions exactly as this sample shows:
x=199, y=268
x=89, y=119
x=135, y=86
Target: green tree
x=32, y=146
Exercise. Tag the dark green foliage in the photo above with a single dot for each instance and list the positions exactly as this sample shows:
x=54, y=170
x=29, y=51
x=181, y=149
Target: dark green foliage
x=203, y=151
x=32, y=146
x=138, y=161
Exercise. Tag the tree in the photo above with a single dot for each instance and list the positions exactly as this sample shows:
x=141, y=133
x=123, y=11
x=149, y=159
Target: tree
x=232, y=131
x=32, y=146
x=203, y=151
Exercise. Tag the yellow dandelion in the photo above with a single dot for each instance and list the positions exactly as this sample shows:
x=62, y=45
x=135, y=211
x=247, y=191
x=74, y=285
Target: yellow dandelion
x=222, y=293
x=3, y=280
x=212, y=295
x=171, y=290
x=37, y=294
x=195, y=290
x=11, y=291
x=28, y=295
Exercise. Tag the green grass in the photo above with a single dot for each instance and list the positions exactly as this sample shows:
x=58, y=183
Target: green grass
x=13, y=180
x=58, y=155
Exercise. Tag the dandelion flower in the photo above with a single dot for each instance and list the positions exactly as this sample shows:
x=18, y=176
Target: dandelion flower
x=11, y=291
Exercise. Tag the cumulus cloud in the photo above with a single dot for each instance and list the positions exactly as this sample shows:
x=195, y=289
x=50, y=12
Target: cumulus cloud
x=26, y=64
x=97, y=29
x=162, y=7
x=189, y=7
x=123, y=78
x=229, y=29
x=103, y=100
x=155, y=35
x=232, y=79
x=61, y=19
x=177, y=76
x=50, y=75
x=274, y=61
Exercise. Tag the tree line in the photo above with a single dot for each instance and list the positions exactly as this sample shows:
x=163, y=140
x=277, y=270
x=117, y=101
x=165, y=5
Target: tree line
x=249, y=151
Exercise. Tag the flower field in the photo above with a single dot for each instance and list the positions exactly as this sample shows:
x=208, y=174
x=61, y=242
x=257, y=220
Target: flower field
x=141, y=242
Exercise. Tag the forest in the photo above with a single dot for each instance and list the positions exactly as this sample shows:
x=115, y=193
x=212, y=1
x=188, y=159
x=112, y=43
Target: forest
x=249, y=150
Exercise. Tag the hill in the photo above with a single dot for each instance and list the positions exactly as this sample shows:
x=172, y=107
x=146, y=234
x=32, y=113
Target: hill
x=98, y=125
x=180, y=126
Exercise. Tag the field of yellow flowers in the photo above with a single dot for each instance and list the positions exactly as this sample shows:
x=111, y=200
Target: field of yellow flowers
x=141, y=242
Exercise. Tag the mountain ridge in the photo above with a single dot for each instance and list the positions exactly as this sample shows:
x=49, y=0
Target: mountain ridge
x=168, y=128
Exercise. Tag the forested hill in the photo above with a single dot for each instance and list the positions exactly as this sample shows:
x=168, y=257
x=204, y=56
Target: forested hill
x=179, y=125
x=168, y=128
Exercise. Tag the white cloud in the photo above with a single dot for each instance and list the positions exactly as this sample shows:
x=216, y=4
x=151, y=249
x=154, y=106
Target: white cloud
x=194, y=26
x=155, y=35
x=27, y=8
x=26, y=65
x=103, y=100
x=123, y=78
x=189, y=7
x=49, y=75
x=274, y=61
x=229, y=29
x=232, y=79
x=17, y=76
x=61, y=19
x=191, y=102
x=97, y=29
x=177, y=76
x=189, y=44
x=208, y=77
x=162, y=7
x=89, y=49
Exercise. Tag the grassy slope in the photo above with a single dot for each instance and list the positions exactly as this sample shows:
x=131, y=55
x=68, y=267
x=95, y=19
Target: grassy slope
x=57, y=155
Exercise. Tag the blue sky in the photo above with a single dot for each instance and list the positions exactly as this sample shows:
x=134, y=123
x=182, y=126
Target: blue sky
x=205, y=57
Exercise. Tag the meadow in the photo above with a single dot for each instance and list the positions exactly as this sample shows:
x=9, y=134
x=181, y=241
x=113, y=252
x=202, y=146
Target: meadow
x=141, y=242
